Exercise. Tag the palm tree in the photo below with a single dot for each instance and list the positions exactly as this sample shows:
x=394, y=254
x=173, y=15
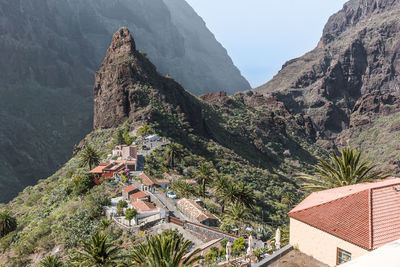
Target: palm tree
x=237, y=213
x=145, y=130
x=89, y=157
x=245, y=195
x=206, y=171
x=173, y=153
x=7, y=223
x=230, y=191
x=225, y=189
x=51, y=261
x=183, y=189
x=164, y=251
x=348, y=168
x=98, y=251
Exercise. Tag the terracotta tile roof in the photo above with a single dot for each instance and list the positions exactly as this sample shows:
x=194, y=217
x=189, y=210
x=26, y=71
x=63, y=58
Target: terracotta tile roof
x=163, y=181
x=128, y=162
x=138, y=195
x=129, y=188
x=193, y=210
x=147, y=179
x=367, y=215
x=141, y=205
x=98, y=169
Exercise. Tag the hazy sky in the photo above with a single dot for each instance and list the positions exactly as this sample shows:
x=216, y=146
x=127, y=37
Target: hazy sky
x=261, y=35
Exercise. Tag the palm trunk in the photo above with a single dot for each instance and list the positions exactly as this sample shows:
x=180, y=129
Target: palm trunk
x=204, y=187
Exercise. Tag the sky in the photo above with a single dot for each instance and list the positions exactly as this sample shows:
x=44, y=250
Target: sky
x=261, y=35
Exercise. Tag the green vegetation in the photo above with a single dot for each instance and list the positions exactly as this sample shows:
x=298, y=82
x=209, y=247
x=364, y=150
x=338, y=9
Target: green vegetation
x=166, y=249
x=89, y=157
x=145, y=130
x=82, y=183
x=239, y=246
x=120, y=206
x=130, y=214
x=7, y=223
x=98, y=251
x=51, y=261
x=240, y=181
x=173, y=153
x=206, y=173
x=348, y=168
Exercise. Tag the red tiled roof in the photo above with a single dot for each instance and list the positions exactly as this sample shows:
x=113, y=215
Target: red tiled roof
x=367, y=214
x=129, y=188
x=163, y=181
x=98, y=169
x=138, y=195
x=141, y=205
x=147, y=179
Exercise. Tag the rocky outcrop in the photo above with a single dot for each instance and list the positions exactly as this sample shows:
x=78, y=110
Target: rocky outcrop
x=127, y=86
x=349, y=84
x=50, y=50
x=358, y=54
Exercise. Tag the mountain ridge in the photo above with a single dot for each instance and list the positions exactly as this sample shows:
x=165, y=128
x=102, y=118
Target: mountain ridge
x=52, y=49
x=356, y=59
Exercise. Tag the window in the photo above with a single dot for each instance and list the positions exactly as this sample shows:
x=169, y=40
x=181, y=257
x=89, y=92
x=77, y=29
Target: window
x=342, y=256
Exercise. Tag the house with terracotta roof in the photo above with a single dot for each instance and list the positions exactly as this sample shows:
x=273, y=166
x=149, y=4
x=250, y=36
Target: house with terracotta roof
x=164, y=183
x=195, y=212
x=139, y=195
x=147, y=180
x=127, y=191
x=125, y=152
x=341, y=224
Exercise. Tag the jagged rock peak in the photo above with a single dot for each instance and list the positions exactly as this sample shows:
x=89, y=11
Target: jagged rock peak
x=351, y=14
x=128, y=87
x=122, y=42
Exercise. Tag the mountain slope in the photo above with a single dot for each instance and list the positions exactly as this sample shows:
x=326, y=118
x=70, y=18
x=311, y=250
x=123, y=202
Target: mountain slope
x=249, y=137
x=350, y=80
x=51, y=50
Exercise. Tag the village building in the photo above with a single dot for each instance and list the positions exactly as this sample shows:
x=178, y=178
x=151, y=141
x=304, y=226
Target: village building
x=125, y=152
x=194, y=212
x=129, y=190
x=341, y=224
x=164, y=183
x=143, y=206
x=148, y=181
x=139, y=195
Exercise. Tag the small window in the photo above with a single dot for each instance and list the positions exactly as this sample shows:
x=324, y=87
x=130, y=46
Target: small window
x=342, y=256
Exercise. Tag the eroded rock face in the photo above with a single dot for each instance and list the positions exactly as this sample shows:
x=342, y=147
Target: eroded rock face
x=359, y=54
x=127, y=86
x=50, y=50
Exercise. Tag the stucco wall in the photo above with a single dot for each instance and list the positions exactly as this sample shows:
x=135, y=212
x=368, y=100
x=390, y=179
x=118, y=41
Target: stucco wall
x=321, y=245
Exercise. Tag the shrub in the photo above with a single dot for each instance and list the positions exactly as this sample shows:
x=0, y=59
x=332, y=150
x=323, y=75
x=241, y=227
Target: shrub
x=82, y=183
x=239, y=246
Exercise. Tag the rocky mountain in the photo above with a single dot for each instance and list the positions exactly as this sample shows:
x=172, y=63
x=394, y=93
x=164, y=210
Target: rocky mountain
x=128, y=89
x=51, y=50
x=249, y=137
x=349, y=84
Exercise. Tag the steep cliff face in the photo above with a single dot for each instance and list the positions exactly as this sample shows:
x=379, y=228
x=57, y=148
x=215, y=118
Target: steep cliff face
x=356, y=64
x=259, y=129
x=50, y=50
x=128, y=87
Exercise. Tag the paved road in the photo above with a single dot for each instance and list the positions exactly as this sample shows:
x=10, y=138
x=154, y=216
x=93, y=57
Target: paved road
x=169, y=203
